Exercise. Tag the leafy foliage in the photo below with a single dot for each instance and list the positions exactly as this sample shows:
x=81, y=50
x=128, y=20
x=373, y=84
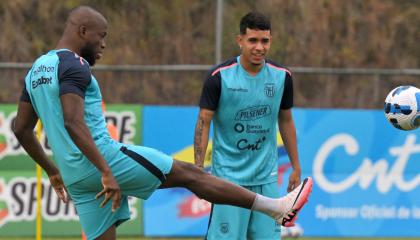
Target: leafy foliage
x=319, y=33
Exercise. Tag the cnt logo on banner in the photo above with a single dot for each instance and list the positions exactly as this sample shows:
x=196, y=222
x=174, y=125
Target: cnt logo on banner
x=366, y=174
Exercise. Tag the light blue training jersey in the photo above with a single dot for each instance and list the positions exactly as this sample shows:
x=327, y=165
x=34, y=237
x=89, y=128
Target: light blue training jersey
x=245, y=121
x=56, y=73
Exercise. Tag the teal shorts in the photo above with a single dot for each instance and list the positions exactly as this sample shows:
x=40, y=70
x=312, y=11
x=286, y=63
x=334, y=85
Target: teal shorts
x=228, y=222
x=138, y=170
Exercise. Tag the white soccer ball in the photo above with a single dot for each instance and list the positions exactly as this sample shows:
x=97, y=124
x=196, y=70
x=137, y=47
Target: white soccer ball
x=402, y=107
x=292, y=232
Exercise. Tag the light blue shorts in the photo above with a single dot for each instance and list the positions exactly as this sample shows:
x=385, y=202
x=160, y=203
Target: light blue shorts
x=138, y=170
x=228, y=222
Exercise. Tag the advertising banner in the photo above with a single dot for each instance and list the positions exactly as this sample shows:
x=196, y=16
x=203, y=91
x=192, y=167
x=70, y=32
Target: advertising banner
x=366, y=174
x=18, y=181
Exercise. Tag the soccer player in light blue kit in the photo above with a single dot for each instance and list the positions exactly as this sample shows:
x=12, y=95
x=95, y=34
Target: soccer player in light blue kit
x=96, y=171
x=246, y=97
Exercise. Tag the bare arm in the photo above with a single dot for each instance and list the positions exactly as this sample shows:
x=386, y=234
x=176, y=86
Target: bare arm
x=23, y=129
x=201, y=136
x=73, y=113
x=288, y=134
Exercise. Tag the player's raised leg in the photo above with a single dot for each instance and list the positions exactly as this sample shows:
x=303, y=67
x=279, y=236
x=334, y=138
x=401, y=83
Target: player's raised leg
x=219, y=191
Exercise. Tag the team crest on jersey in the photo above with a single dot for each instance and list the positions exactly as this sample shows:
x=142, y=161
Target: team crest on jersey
x=269, y=89
x=224, y=228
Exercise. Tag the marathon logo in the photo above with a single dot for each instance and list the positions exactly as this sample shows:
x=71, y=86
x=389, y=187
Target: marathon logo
x=41, y=81
x=253, y=113
x=43, y=69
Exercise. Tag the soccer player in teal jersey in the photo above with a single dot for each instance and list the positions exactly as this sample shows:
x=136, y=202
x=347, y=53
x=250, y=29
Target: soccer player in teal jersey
x=97, y=172
x=246, y=97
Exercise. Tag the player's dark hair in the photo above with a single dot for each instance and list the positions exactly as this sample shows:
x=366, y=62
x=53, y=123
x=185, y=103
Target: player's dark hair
x=254, y=21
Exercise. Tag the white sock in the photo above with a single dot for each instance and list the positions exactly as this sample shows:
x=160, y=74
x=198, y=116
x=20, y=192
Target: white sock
x=269, y=206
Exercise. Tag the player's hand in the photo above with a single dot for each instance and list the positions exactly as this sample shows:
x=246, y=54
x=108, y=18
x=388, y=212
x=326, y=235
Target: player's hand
x=111, y=191
x=294, y=180
x=59, y=188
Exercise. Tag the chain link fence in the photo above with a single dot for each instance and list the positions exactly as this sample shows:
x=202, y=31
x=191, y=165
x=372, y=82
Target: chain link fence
x=181, y=84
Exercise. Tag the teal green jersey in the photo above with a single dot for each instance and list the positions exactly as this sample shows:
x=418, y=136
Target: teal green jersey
x=245, y=120
x=56, y=73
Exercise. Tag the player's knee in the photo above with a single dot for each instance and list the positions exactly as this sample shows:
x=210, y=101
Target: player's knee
x=191, y=173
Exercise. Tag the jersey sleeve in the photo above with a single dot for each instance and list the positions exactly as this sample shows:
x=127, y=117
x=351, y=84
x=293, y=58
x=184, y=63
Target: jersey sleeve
x=74, y=76
x=24, y=97
x=210, y=94
x=287, y=99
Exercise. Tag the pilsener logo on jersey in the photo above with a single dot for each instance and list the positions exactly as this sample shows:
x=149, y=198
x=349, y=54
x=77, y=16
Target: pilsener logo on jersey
x=253, y=113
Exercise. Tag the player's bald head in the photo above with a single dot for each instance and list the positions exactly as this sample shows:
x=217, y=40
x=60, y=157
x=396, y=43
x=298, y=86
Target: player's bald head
x=85, y=16
x=85, y=33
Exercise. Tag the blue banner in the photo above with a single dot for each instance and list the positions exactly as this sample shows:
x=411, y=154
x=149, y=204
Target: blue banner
x=366, y=174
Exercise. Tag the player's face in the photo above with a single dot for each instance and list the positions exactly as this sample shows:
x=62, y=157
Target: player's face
x=95, y=43
x=254, y=45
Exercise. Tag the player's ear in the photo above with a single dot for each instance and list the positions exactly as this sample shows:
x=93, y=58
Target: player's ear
x=239, y=38
x=82, y=31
